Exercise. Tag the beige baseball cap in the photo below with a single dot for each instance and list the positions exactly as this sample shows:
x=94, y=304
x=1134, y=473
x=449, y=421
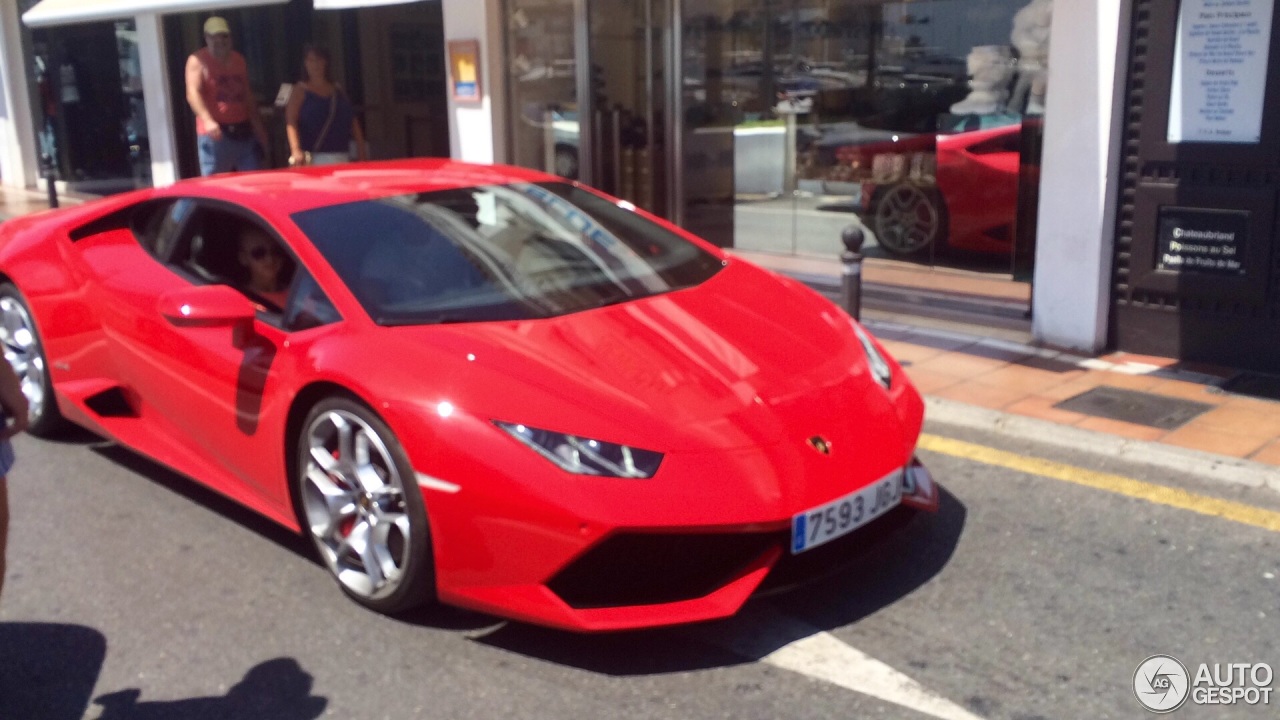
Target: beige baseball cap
x=216, y=26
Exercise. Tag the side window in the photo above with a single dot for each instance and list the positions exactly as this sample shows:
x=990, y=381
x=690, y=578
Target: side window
x=156, y=225
x=222, y=247
x=308, y=306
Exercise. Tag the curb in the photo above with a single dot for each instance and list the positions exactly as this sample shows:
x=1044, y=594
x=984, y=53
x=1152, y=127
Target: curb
x=1219, y=468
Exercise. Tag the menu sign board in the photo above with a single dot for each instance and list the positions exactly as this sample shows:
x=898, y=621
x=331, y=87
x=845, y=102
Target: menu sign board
x=1202, y=241
x=1220, y=71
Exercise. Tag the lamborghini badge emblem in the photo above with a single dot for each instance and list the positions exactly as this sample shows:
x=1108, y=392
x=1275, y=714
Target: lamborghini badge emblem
x=819, y=443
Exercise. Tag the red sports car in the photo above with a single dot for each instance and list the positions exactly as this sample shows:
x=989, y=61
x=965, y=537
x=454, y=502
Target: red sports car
x=481, y=385
x=957, y=189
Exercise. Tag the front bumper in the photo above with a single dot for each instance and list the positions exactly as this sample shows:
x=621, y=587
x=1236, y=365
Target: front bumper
x=640, y=577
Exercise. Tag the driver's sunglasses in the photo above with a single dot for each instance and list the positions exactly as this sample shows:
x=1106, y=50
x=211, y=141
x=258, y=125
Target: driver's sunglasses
x=262, y=251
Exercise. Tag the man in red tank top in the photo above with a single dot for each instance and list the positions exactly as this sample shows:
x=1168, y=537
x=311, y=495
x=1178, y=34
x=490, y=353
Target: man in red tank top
x=228, y=126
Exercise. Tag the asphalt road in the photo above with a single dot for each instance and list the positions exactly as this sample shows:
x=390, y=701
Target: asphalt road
x=133, y=593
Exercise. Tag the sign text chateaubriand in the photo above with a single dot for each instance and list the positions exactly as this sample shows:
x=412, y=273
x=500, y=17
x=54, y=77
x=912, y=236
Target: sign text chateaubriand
x=1203, y=241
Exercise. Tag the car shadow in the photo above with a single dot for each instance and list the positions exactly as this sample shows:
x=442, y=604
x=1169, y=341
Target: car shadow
x=73, y=435
x=277, y=689
x=201, y=495
x=433, y=616
x=48, y=670
x=898, y=564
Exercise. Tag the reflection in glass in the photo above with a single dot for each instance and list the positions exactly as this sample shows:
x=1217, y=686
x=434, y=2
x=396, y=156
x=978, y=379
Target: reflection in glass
x=543, y=80
x=502, y=252
x=908, y=119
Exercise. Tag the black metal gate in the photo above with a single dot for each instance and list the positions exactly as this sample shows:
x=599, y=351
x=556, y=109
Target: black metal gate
x=1195, y=276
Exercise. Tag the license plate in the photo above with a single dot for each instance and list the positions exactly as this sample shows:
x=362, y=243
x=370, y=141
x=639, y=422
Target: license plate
x=842, y=516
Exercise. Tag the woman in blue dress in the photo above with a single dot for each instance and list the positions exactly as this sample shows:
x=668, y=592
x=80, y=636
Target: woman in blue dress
x=319, y=119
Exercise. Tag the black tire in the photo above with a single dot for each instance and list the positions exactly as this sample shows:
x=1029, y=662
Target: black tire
x=25, y=354
x=909, y=218
x=330, y=531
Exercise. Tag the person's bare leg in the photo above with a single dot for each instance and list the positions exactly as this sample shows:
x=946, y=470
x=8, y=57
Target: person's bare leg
x=4, y=527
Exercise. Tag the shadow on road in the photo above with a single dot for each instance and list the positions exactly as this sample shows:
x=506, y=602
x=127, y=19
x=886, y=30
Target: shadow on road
x=277, y=689
x=435, y=616
x=48, y=671
x=873, y=576
x=883, y=572
x=201, y=495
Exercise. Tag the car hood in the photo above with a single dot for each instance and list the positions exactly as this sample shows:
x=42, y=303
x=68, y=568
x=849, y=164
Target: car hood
x=746, y=359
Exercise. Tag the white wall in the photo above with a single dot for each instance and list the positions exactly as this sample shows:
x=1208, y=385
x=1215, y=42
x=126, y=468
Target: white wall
x=1080, y=179
x=476, y=130
x=159, y=104
x=18, y=162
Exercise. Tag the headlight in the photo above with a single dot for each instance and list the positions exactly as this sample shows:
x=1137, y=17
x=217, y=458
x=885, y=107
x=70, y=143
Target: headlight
x=584, y=456
x=879, y=366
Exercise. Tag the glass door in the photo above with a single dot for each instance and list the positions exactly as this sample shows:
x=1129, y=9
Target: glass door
x=588, y=87
x=627, y=77
x=542, y=52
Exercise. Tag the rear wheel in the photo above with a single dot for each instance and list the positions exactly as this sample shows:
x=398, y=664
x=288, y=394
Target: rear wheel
x=908, y=218
x=362, y=509
x=25, y=354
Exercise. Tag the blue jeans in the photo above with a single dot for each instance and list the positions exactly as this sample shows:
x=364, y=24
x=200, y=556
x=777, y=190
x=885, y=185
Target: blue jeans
x=227, y=155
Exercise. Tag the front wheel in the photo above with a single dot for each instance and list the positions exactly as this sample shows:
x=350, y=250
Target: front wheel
x=25, y=354
x=362, y=509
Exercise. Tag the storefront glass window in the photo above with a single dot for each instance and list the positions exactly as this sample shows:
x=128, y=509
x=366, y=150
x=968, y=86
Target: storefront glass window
x=89, y=114
x=542, y=67
x=911, y=120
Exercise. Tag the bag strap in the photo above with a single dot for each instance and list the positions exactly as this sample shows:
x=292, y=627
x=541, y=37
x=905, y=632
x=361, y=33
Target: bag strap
x=333, y=108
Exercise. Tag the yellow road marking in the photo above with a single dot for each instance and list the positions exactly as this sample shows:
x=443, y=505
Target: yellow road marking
x=1159, y=494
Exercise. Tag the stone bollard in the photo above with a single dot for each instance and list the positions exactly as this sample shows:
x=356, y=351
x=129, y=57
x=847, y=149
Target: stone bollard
x=851, y=286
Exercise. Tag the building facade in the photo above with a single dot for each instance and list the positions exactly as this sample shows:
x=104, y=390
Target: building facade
x=996, y=134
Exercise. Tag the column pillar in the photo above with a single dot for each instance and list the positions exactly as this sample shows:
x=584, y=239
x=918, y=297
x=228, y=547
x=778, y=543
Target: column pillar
x=477, y=130
x=1080, y=177
x=19, y=166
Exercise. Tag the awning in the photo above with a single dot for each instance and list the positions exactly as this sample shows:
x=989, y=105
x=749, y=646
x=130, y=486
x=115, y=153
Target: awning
x=65, y=12
x=350, y=4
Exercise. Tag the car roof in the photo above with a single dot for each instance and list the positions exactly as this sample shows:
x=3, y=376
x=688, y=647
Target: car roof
x=297, y=189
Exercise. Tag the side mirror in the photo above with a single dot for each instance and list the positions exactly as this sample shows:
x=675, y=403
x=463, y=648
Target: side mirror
x=207, y=306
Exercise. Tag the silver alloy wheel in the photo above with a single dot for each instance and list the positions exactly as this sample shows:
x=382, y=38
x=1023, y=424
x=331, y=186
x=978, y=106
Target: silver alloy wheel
x=907, y=220
x=354, y=500
x=22, y=351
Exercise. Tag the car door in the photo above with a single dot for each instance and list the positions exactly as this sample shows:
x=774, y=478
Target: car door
x=121, y=273
x=219, y=391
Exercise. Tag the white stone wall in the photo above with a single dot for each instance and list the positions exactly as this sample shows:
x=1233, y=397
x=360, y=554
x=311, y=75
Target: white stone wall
x=477, y=132
x=1079, y=184
x=159, y=104
x=19, y=164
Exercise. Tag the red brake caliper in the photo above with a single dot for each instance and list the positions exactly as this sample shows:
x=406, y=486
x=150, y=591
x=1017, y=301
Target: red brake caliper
x=348, y=523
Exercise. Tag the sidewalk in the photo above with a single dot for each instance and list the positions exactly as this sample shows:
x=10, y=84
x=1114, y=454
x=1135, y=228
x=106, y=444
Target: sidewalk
x=23, y=202
x=929, y=327
x=996, y=365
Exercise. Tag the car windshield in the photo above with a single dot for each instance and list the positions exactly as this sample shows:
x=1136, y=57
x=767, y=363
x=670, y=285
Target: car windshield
x=499, y=252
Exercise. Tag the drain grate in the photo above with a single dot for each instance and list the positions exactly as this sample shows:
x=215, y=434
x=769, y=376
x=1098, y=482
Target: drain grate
x=1131, y=406
x=1254, y=385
